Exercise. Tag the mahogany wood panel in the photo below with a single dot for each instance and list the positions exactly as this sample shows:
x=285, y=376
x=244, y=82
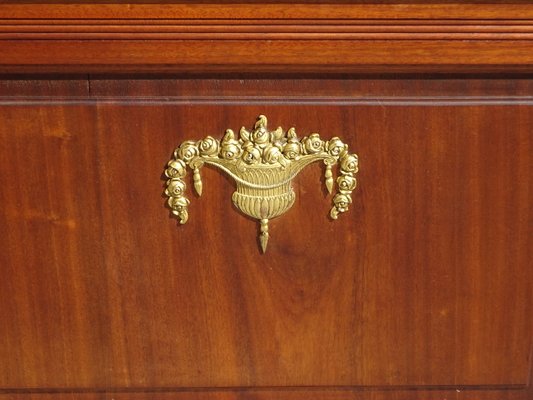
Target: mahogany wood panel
x=320, y=36
x=422, y=290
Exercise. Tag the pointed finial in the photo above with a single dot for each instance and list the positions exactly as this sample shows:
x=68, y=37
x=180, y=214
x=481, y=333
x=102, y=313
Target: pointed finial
x=263, y=236
x=329, y=179
x=197, y=181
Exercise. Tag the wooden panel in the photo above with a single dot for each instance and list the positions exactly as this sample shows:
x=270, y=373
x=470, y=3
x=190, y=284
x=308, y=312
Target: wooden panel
x=320, y=36
x=424, y=284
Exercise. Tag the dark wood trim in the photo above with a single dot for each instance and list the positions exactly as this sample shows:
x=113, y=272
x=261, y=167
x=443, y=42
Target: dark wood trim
x=281, y=393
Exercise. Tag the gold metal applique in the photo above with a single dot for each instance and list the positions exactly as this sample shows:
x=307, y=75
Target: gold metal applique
x=263, y=164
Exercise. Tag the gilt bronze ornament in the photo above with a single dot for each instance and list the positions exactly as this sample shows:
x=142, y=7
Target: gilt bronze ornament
x=263, y=164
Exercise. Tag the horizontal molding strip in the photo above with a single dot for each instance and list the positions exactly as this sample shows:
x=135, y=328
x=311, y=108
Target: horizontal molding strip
x=252, y=389
x=266, y=30
x=378, y=101
x=225, y=37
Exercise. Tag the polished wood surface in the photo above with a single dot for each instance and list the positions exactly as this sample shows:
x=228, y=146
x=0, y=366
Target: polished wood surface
x=315, y=36
x=422, y=290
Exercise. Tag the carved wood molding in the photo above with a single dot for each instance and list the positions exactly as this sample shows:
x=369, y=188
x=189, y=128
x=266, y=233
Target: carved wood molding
x=273, y=37
x=279, y=29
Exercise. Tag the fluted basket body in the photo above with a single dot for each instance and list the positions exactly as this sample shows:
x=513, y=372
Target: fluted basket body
x=264, y=193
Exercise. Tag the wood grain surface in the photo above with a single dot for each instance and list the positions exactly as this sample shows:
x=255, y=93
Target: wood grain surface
x=422, y=290
x=225, y=36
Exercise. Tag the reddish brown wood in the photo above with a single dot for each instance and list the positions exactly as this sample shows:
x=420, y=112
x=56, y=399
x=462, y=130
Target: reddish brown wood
x=266, y=30
x=422, y=291
x=424, y=288
x=197, y=10
x=310, y=37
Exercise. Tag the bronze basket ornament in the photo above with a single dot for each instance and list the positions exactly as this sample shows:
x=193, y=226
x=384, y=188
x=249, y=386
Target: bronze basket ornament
x=263, y=164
